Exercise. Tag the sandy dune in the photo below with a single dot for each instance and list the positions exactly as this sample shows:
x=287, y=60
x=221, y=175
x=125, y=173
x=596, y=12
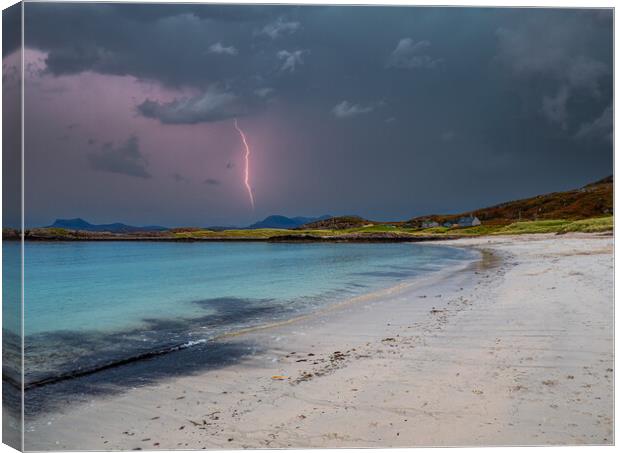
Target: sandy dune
x=515, y=350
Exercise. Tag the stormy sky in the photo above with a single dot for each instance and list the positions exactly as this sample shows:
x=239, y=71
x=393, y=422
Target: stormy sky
x=384, y=112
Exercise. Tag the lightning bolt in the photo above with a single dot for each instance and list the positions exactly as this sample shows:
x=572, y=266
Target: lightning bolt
x=247, y=163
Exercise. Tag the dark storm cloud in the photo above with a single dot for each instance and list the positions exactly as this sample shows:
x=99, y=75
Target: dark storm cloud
x=534, y=50
x=559, y=49
x=125, y=159
x=154, y=42
x=79, y=58
x=212, y=105
x=212, y=182
x=599, y=128
x=423, y=102
x=145, y=41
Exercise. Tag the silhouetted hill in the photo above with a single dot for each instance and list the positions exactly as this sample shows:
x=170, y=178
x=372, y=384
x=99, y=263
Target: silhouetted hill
x=83, y=225
x=592, y=200
x=283, y=222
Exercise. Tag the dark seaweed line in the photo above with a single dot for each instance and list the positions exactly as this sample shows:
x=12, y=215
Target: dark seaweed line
x=282, y=238
x=97, y=368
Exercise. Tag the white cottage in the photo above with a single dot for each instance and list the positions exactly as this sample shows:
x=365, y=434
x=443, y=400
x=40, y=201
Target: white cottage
x=468, y=221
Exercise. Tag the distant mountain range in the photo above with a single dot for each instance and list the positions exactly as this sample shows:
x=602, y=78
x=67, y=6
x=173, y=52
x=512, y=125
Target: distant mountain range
x=81, y=224
x=273, y=221
x=280, y=221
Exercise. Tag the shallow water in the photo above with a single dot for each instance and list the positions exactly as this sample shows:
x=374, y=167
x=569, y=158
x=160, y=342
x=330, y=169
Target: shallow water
x=91, y=305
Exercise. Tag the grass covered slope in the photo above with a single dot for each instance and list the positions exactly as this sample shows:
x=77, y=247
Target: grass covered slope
x=592, y=200
x=560, y=226
x=337, y=223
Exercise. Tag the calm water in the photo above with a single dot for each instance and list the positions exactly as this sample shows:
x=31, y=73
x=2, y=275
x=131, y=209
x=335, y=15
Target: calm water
x=89, y=304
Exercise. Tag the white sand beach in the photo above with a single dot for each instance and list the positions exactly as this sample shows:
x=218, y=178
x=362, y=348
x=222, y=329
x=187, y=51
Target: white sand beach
x=517, y=350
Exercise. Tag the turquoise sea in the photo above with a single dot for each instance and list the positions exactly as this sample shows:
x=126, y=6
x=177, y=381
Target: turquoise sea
x=94, y=305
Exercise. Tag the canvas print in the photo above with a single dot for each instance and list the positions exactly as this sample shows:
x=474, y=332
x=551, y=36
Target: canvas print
x=294, y=226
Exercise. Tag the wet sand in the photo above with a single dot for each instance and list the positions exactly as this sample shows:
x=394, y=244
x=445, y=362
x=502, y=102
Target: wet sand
x=517, y=350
